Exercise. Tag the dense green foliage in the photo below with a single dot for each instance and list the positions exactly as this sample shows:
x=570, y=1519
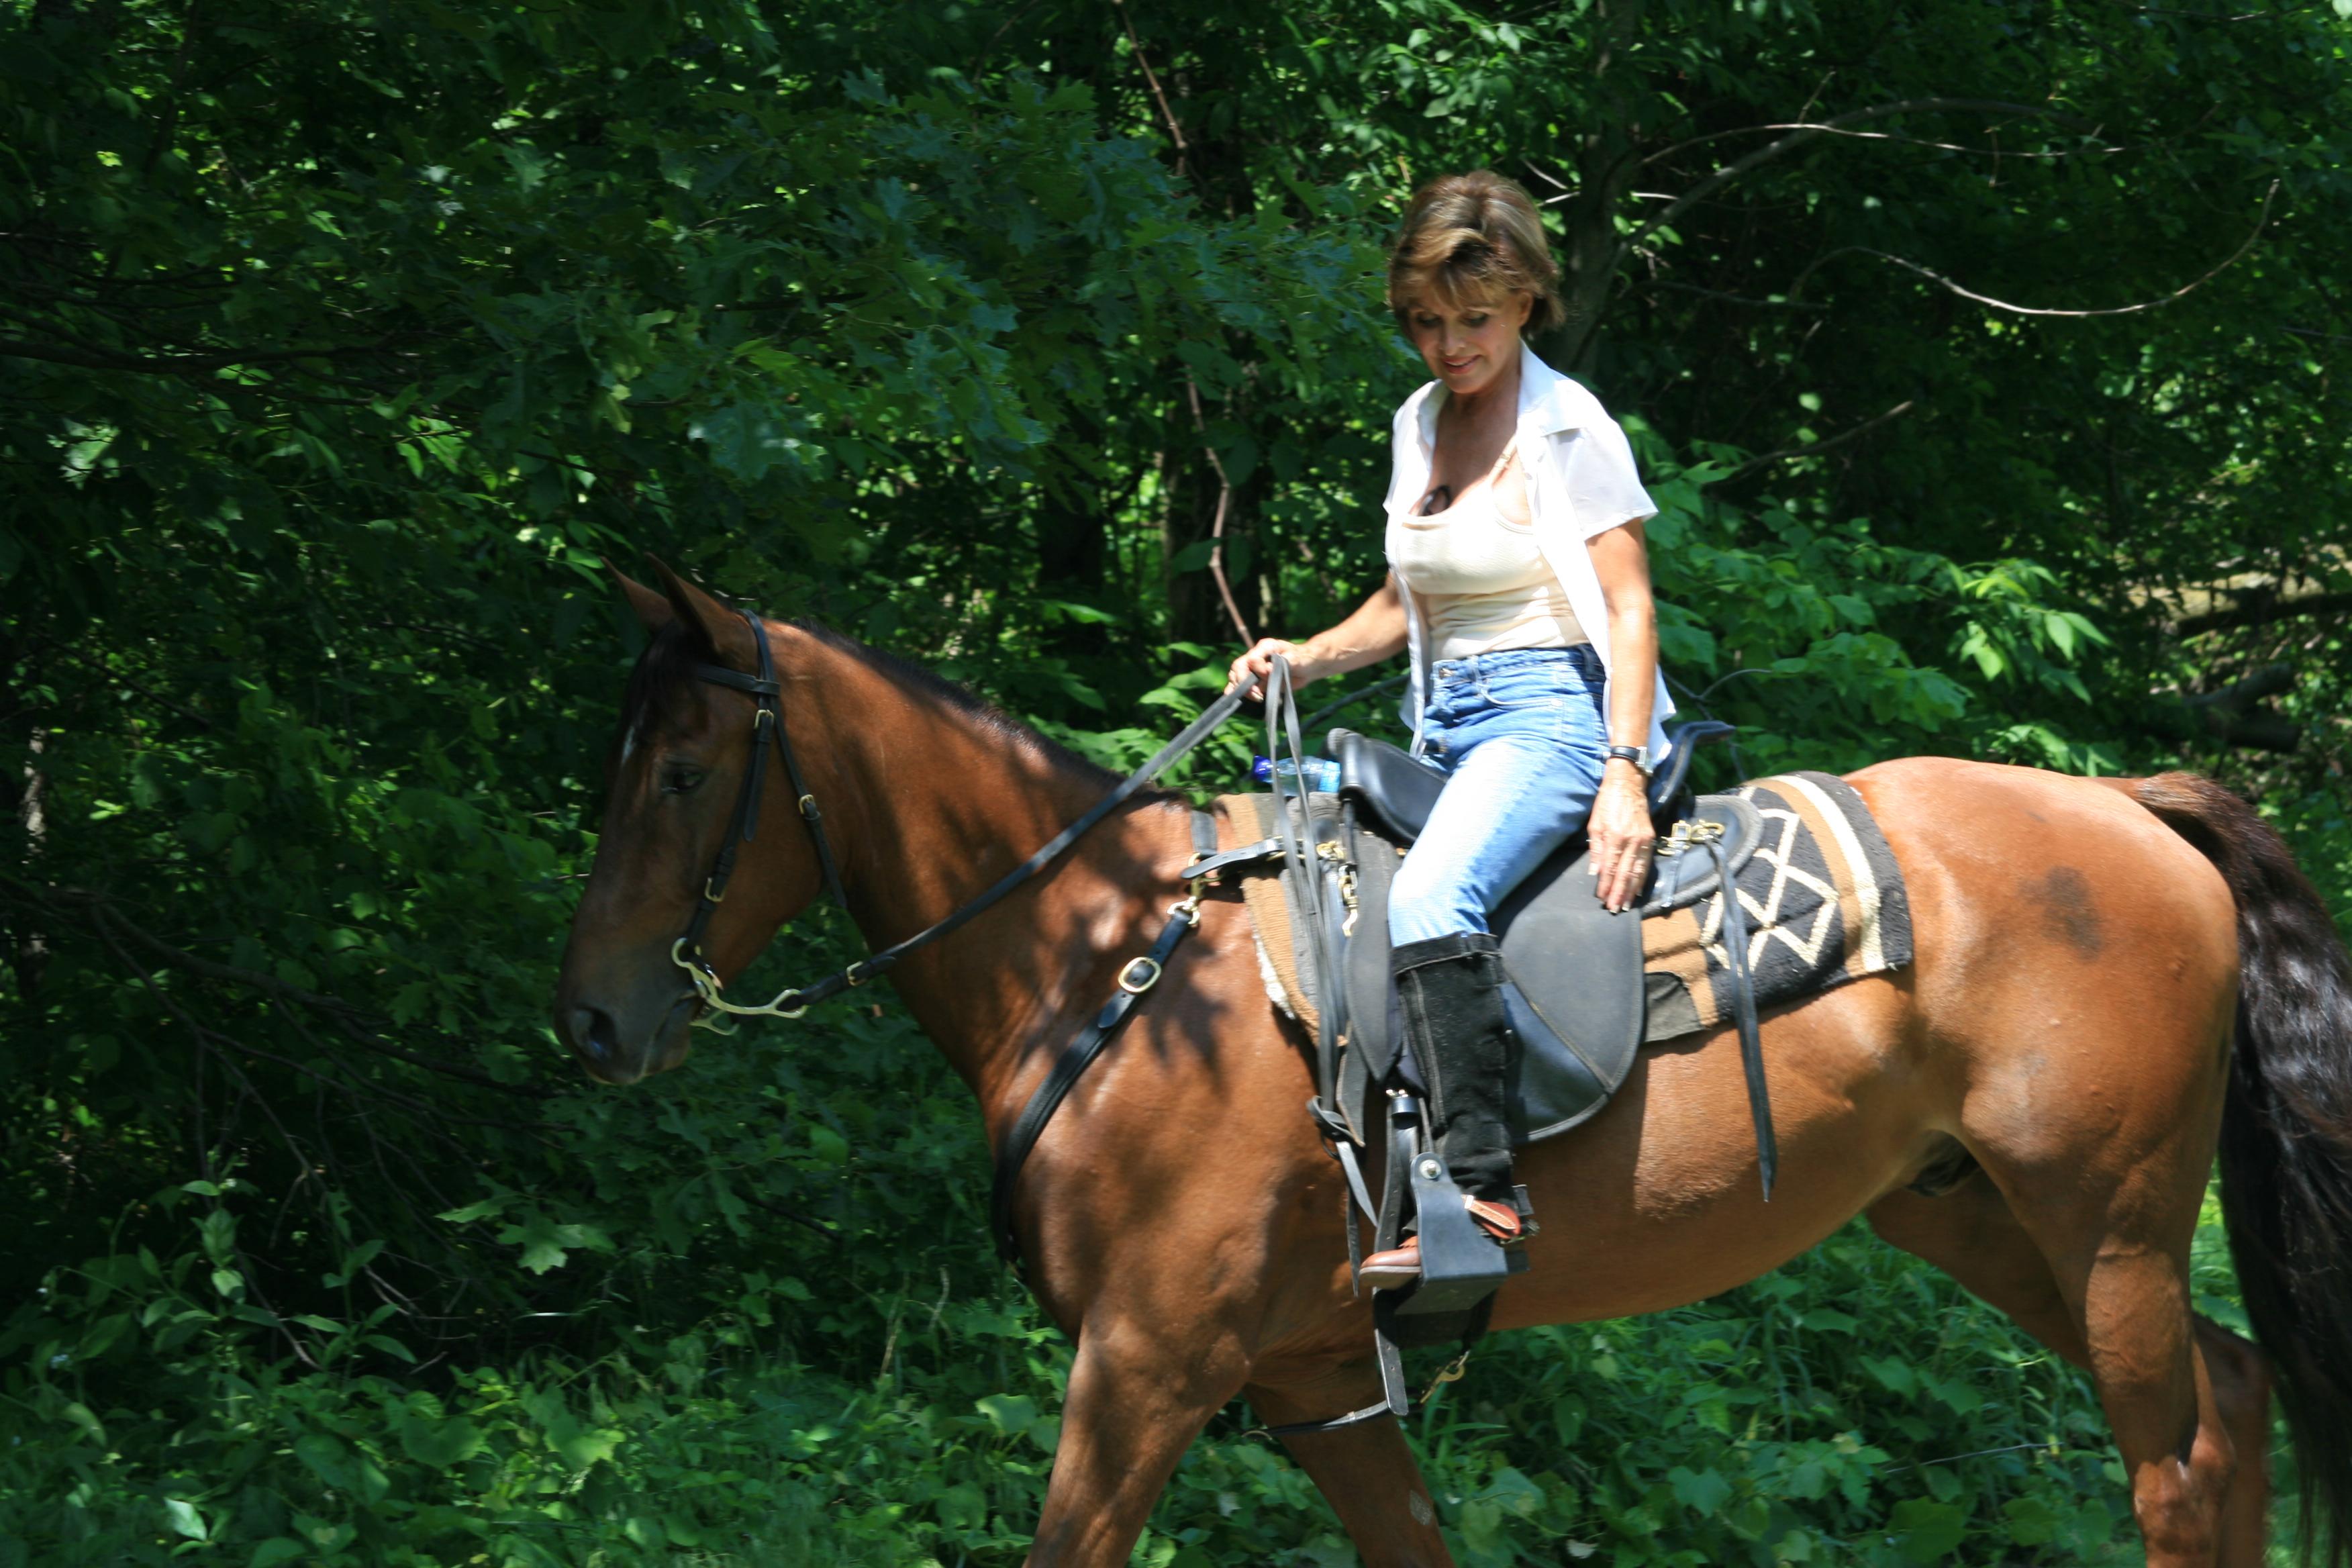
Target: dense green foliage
x=337, y=342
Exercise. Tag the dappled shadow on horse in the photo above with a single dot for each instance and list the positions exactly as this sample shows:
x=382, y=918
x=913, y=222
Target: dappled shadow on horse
x=2072, y=1024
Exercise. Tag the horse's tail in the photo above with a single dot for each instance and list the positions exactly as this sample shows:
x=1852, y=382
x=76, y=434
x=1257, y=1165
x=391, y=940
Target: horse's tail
x=2286, y=1135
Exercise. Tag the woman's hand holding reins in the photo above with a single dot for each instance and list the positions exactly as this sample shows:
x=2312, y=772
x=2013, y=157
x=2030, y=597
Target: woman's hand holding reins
x=1251, y=670
x=1623, y=838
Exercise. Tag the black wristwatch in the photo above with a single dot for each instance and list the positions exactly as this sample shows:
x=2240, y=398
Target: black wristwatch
x=1637, y=755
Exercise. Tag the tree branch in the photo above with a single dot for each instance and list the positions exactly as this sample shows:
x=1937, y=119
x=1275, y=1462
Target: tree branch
x=1812, y=448
x=1798, y=138
x=2261, y=221
x=2261, y=606
x=1175, y=131
x=183, y=364
x=2232, y=715
x=1217, y=529
x=1729, y=299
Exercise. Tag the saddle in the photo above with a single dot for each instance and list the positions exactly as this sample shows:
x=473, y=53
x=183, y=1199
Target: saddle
x=1574, y=987
x=1574, y=991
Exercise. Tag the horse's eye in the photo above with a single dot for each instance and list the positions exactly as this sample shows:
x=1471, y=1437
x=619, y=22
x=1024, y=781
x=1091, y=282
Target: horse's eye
x=679, y=778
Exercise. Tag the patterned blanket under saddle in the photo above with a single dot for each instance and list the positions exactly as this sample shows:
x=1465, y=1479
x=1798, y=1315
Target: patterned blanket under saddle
x=1824, y=897
x=1824, y=902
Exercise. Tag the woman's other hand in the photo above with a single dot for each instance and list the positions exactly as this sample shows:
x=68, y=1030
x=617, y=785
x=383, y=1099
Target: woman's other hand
x=1622, y=838
x=1251, y=670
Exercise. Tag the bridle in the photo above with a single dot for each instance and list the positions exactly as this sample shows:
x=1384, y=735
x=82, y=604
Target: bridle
x=768, y=733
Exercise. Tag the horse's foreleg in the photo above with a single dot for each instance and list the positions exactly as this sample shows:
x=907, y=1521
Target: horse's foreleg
x=1367, y=1473
x=1135, y=1402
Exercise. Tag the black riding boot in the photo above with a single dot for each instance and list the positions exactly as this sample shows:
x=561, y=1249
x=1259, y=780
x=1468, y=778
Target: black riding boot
x=1450, y=991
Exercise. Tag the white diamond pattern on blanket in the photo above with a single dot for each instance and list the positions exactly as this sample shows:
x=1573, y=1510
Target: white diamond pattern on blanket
x=1824, y=901
x=1766, y=925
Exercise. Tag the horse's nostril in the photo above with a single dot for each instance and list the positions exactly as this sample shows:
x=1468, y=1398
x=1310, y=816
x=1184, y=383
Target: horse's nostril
x=592, y=1034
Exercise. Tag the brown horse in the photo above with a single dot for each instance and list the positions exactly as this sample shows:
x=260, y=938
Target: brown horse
x=2113, y=977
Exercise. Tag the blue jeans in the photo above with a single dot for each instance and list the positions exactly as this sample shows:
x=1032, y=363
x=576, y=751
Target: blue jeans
x=1522, y=739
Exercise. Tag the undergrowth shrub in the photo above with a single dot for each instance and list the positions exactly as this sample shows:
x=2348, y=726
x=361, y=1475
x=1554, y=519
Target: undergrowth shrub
x=900, y=1404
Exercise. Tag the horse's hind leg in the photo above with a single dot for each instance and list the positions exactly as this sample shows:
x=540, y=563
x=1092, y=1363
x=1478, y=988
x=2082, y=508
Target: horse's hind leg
x=2239, y=1377
x=2189, y=1405
x=1367, y=1473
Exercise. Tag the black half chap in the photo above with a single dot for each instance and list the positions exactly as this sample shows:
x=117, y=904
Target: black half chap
x=1450, y=991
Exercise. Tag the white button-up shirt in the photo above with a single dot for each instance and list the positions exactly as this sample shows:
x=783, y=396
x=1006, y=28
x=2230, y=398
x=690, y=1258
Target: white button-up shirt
x=1580, y=482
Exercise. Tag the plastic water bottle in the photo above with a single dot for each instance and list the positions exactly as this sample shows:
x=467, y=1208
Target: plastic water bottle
x=1322, y=774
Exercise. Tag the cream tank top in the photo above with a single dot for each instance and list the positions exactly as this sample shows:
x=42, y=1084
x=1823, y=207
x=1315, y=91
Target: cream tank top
x=1483, y=584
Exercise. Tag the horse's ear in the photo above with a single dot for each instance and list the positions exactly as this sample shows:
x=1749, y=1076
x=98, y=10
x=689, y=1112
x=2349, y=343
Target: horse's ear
x=716, y=627
x=654, y=611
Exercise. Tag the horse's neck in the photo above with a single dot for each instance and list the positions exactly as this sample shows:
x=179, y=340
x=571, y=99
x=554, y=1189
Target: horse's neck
x=931, y=804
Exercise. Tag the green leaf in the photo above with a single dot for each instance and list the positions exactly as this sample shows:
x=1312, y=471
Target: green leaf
x=2031, y=1521
x=440, y=1444
x=963, y=1507
x=1705, y=1490
x=1010, y=1414
x=580, y=1444
x=183, y=1517
x=1927, y=1532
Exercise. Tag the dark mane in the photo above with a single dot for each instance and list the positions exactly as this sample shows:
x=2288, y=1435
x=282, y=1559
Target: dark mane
x=664, y=681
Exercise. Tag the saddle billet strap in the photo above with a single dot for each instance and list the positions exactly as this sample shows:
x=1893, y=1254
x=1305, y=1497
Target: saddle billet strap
x=1380, y=1412
x=1293, y=823
x=1136, y=977
x=1743, y=1003
x=1226, y=859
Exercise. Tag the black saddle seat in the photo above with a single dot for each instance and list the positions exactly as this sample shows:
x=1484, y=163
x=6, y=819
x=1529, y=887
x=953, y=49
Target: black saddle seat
x=1400, y=790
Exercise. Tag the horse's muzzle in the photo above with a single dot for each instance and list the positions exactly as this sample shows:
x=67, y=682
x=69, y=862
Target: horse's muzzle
x=605, y=1049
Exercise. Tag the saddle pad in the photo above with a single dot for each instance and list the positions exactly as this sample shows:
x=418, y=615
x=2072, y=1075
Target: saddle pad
x=1244, y=819
x=1824, y=901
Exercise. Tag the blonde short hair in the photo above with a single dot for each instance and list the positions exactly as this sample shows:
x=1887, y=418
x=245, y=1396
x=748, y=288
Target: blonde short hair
x=1474, y=237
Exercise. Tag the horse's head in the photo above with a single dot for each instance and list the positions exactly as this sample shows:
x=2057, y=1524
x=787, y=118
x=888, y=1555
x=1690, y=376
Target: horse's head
x=672, y=781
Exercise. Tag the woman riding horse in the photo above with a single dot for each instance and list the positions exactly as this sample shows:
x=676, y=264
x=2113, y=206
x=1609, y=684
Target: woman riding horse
x=1520, y=583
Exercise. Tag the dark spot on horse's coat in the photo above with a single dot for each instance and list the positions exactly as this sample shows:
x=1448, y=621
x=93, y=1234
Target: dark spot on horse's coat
x=2067, y=910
